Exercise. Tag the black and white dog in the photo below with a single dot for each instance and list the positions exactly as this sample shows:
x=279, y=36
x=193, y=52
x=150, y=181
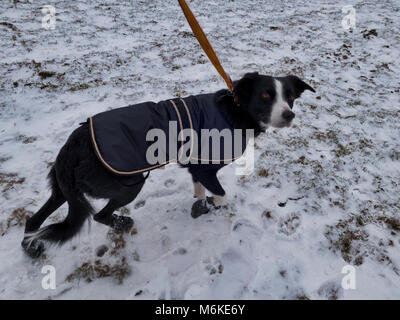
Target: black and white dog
x=262, y=101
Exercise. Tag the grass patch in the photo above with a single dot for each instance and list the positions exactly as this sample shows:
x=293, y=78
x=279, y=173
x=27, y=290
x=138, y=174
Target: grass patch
x=9, y=180
x=263, y=173
x=24, y=139
x=4, y=159
x=89, y=271
x=46, y=74
x=18, y=218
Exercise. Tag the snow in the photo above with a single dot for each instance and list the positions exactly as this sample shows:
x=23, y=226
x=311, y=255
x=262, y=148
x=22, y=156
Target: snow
x=335, y=173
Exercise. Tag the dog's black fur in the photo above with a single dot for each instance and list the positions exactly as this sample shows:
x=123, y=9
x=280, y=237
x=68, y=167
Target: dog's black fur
x=77, y=171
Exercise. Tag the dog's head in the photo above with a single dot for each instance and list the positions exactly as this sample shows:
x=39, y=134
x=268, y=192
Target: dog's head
x=270, y=99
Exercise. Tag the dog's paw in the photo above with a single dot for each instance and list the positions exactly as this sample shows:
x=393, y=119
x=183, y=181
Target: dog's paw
x=202, y=206
x=33, y=248
x=121, y=223
x=199, y=208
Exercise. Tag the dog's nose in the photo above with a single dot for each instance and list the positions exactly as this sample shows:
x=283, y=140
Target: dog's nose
x=288, y=115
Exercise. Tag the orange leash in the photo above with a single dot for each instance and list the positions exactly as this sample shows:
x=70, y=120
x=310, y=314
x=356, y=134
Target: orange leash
x=205, y=44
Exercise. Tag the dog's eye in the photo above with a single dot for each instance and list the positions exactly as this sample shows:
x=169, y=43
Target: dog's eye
x=265, y=95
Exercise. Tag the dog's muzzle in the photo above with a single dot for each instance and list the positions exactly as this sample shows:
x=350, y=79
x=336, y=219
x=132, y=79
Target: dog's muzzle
x=288, y=115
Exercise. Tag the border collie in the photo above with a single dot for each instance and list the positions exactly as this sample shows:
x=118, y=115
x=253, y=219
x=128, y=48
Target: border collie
x=258, y=101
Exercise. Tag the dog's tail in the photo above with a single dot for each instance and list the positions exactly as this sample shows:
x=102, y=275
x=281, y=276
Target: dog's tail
x=79, y=211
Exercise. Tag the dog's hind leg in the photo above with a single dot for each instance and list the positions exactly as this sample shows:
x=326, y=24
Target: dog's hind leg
x=120, y=223
x=107, y=217
x=53, y=203
x=63, y=181
x=35, y=248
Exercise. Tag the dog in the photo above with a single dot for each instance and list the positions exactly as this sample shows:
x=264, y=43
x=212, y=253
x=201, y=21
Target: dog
x=258, y=101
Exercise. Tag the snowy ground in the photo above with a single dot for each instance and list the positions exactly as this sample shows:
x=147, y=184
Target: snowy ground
x=325, y=193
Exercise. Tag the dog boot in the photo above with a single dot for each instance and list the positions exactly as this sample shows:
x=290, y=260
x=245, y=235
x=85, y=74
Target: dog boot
x=33, y=249
x=199, y=208
x=121, y=223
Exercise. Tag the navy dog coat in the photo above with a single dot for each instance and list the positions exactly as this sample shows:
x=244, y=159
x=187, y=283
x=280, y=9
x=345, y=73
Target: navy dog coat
x=121, y=142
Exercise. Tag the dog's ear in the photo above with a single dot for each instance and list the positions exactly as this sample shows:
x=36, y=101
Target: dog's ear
x=243, y=87
x=299, y=85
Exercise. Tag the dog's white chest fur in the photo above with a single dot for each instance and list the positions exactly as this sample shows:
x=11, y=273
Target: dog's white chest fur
x=279, y=106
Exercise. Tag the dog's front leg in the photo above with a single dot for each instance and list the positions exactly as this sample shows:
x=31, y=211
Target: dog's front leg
x=199, y=191
x=200, y=194
x=207, y=180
